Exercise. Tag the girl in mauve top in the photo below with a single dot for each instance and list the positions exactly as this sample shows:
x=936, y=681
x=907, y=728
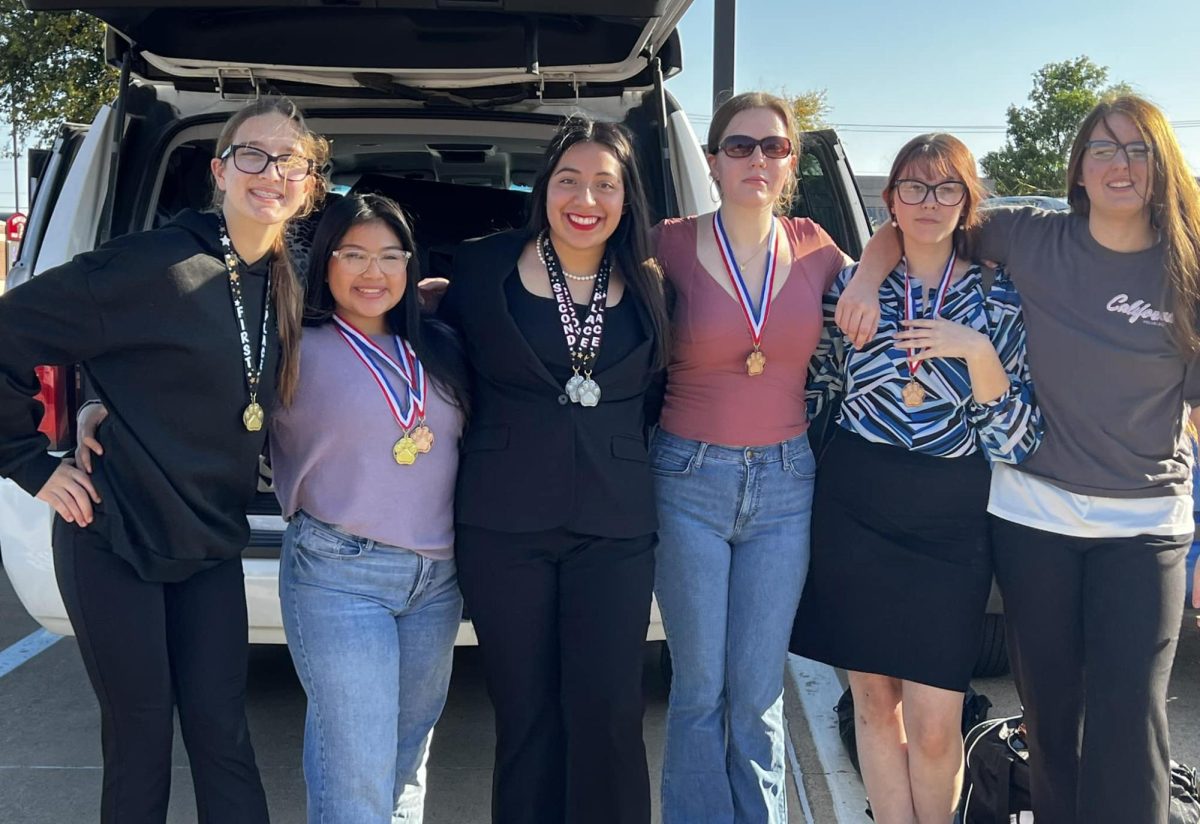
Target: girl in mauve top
x=733, y=468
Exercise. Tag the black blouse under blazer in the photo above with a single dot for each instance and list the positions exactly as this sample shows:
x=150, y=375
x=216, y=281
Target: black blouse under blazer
x=531, y=459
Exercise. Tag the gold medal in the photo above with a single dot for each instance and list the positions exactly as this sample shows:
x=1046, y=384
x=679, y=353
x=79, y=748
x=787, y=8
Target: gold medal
x=913, y=394
x=405, y=451
x=422, y=438
x=756, y=363
x=252, y=417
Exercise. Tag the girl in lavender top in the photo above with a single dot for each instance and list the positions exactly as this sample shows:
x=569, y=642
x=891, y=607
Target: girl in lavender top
x=365, y=460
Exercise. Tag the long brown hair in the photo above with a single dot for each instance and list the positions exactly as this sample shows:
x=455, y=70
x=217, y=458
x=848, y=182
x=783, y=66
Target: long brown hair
x=746, y=101
x=630, y=243
x=938, y=153
x=1174, y=201
x=286, y=290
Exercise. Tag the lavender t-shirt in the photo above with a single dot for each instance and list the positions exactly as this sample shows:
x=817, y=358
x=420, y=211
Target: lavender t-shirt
x=331, y=451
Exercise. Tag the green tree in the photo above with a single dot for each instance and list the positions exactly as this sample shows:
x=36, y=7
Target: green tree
x=52, y=67
x=1034, y=157
x=810, y=108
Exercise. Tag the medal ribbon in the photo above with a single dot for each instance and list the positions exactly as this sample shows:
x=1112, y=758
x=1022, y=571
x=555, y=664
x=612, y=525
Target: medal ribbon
x=910, y=308
x=583, y=339
x=757, y=321
x=253, y=373
x=404, y=411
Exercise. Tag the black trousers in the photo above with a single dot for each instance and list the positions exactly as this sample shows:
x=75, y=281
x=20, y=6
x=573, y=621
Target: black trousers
x=149, y=649
x=1092, y=627
x=561, y=620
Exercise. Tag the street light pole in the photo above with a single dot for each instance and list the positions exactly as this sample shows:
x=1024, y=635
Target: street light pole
x=724, y=46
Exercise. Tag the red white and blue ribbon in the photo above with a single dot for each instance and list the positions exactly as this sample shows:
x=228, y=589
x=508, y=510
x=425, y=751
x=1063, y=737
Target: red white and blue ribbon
x=910, y=303
x=756, y=320
x=410, y=407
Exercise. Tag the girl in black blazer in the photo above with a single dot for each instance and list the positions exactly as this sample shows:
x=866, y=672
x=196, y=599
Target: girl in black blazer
x=565, y=325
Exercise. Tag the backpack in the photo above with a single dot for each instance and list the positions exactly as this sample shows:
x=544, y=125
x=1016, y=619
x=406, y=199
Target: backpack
x=996, y=784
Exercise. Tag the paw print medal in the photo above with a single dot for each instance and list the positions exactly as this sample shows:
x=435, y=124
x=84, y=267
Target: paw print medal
x=408, y=409
x=756, y=320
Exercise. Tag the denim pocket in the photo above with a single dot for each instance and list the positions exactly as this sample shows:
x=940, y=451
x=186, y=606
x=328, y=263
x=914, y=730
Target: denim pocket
x=804, y=465
x=316, y=539
x=670, y=463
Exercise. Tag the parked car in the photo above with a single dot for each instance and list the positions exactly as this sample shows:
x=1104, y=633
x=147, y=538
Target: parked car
x=448, y=111
x=1053, y=204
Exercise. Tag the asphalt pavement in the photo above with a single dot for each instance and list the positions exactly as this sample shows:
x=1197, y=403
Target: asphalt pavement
x=50, y=751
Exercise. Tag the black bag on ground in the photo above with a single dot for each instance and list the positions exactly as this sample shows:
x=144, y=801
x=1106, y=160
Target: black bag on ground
x=1185, y=794
x=996, y=784
x=975, y=710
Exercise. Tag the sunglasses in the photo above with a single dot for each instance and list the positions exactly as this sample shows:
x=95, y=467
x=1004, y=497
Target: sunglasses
x=740, y=145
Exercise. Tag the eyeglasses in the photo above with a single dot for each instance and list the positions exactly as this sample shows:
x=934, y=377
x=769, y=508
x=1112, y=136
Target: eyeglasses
x=914, y=192
x=1105, y=150
x=356, y=261
x=252, y=161
x=740, y=145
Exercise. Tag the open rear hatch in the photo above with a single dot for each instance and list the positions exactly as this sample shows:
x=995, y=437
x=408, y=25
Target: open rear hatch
x=392, y=47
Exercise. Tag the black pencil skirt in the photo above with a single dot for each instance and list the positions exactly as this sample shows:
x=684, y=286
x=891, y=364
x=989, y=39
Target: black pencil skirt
x=901, y=567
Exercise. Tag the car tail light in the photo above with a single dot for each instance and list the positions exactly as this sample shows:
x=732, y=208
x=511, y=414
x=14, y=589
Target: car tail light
x=56, y=423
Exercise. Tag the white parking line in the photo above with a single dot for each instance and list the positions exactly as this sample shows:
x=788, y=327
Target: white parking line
x=819, y=690
x=26, y=648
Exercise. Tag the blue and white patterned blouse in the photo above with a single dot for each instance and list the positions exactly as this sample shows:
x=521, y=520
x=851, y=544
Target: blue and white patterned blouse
x=950, y=423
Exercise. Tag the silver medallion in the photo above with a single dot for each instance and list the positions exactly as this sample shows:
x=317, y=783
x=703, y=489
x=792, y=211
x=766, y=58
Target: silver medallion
x=572, y=387
x=589, y=393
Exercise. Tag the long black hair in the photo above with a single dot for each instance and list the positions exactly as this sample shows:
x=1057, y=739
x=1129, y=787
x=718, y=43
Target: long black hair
x=436, y=344
x=629, y=245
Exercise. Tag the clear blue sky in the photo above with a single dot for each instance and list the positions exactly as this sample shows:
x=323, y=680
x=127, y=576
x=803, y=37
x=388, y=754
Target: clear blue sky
x=933, y=64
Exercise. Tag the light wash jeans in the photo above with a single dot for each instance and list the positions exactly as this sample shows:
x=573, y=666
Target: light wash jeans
x=732, y=557
x=371, y=630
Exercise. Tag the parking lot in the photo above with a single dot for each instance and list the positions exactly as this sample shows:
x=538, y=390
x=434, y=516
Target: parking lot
x=50, y=752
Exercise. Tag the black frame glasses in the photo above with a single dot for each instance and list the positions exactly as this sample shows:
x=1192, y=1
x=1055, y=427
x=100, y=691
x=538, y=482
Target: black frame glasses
x=247, y=160
x=947, y=193
x=1105, y=151
x=358, y=261
x=740, y=146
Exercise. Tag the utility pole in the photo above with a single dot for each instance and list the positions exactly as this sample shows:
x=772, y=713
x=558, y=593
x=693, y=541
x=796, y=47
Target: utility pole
x=16, y=157
x=724, y=46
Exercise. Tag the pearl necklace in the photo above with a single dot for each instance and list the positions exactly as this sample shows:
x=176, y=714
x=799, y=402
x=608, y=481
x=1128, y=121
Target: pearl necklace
x=566, y=274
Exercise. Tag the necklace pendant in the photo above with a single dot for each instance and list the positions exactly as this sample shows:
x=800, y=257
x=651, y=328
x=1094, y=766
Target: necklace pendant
x=405, y=450
x=913, y=394
x=589, y=393
x=756, y=363
x=252, y=417
x=572, y=387
x=422, y=438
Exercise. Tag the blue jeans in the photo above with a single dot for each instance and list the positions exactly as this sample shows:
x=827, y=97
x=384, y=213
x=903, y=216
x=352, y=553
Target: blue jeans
x=371, y=630
x=732, y=557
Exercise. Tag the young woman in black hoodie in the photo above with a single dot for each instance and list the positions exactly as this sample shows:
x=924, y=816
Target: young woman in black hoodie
x=188, y=334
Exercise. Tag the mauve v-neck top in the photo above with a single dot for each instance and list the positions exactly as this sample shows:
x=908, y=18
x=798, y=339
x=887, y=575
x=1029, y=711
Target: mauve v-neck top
x=709, y=395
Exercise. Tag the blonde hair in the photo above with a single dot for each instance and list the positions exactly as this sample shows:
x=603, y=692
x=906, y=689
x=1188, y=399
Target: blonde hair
x=1174, y=201
x=747, y=101
x=286, y=291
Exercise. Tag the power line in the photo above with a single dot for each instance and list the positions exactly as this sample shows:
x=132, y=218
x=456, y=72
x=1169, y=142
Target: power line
x=890, y=128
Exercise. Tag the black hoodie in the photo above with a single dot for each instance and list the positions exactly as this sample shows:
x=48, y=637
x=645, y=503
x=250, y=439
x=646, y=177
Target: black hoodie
x=150, y=318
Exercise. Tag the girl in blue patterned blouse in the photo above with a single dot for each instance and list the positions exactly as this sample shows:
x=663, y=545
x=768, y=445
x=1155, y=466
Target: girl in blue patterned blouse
x=901, y=569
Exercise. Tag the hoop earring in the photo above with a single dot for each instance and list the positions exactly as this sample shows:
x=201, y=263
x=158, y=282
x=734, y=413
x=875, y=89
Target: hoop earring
x=714, y=188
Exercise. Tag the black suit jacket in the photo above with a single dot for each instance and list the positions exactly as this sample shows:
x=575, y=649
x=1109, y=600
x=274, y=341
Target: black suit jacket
x=531, y=459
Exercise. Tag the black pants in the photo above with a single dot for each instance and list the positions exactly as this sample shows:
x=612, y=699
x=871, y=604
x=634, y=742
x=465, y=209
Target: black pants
x=150, y=648
x=1092, y=628
x=561, y=620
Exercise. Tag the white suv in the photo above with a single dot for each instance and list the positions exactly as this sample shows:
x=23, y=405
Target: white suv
x=446, y=105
